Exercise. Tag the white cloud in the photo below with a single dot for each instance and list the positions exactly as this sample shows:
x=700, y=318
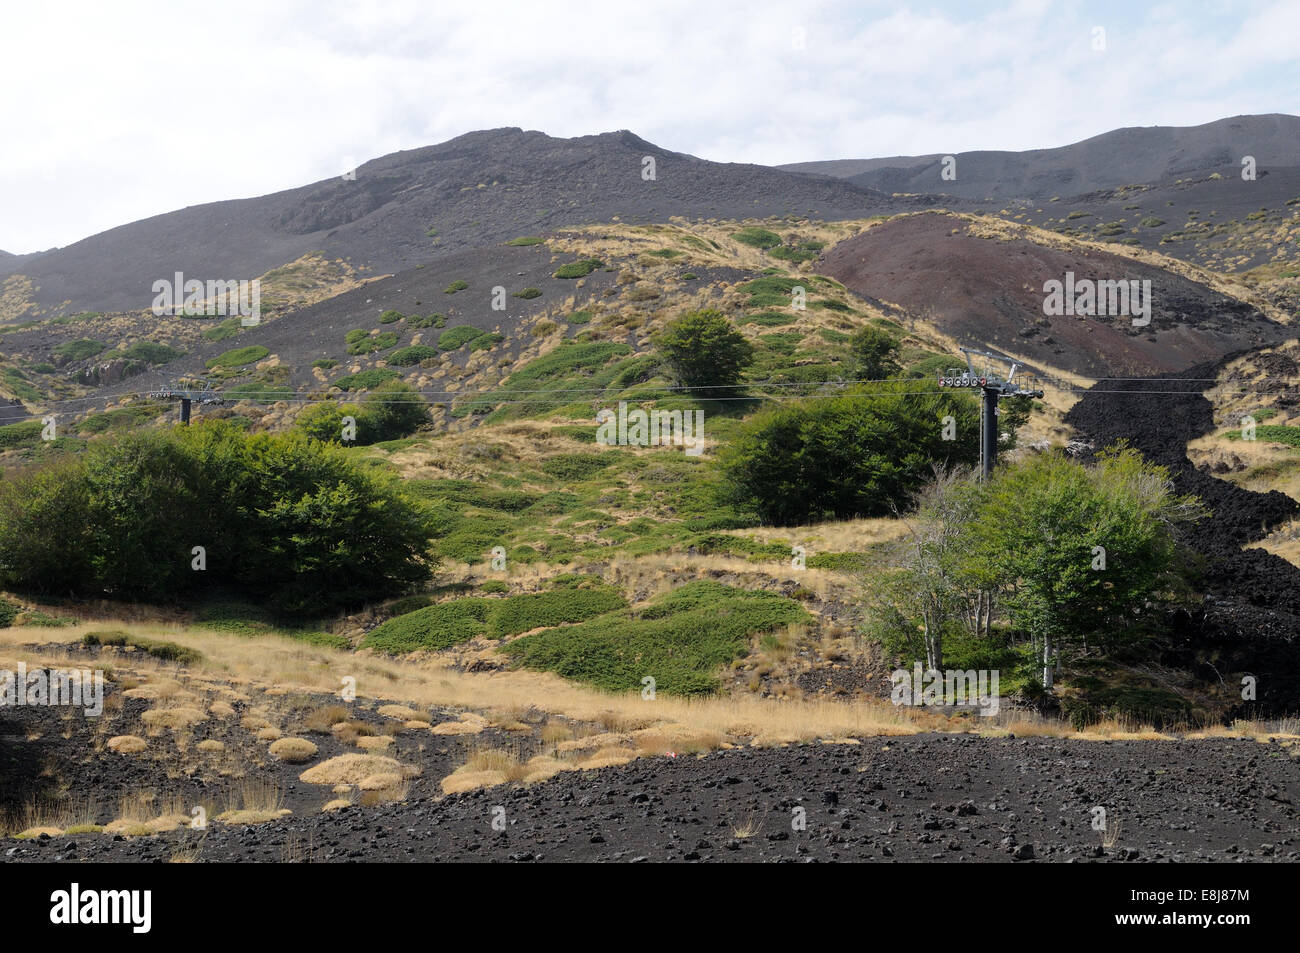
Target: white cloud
x=114, y=112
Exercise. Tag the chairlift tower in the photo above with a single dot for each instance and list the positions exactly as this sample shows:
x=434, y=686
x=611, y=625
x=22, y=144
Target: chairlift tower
x=992, y=388
x=203, y=393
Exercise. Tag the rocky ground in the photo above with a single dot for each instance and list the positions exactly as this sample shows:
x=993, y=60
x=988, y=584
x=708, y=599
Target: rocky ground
x=922, y=798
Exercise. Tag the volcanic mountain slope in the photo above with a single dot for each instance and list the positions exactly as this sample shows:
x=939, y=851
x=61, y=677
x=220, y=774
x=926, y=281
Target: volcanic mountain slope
x=401, y=209
x=1221, y=222
x=985, y=287
x=1113, y=159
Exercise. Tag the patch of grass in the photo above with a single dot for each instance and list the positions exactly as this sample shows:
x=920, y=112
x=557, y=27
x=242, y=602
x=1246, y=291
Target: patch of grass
x=757, y=237
x=527, y=293
x=1151, y=222
x=455, y=286
x=78, y=350
x=454, y=338
x=365, y=380
x=526, y=240
x=426, y=320
x=579, y=317
x=226, y=329
x=25, y=434
x=391, y=316
x=406, y=356
x=239, y=356
x=485, y=342
x=680, y=639
x=579, y=269
x=166, y=651
x=325, y=363
x=151, y=352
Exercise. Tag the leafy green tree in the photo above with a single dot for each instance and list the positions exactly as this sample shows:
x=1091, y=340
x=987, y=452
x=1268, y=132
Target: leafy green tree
x=1076, y=551
x=395, y=409
x=325, y=422
x=865, y=453
x=391, y=410
x=289, y=520
x=873, y=354
x=702, y=349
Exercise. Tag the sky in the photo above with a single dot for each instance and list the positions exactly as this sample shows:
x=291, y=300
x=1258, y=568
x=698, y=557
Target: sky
x=113, y=112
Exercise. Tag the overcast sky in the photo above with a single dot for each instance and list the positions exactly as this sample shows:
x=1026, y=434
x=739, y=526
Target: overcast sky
x=113, y=112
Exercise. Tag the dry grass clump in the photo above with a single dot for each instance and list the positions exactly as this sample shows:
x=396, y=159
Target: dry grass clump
x=468, y=724
x=349, y=769
x=127, y=744
x=293, y=750
x=211, y=746
x=486, y=767
x=221, y=709
x=610, y=757
x=254, y=802
x=142, y=813
x=403, y=713
x=322, y=719
x=374, y=742
x=174, y=718
x=254, y=722
x=269, y=733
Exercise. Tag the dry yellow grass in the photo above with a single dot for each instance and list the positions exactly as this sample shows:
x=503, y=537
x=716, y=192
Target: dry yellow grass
x=127, y=744
x=374, y=742
x=211, y=746
x=268, y=734
x=350, y=769
x=402, y=713
x=255, y=801
x=293, y=750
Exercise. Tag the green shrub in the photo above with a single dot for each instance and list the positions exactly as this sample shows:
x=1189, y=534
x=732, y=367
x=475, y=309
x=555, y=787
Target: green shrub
x=436, y=627
x=527, y=293
x=455, y=286
x=680, y=639
x=391, y=317
x=535, y=610
x=166, y=651
x=426, y=320
x=856, y=455
x=78, y=350
x=239, y=356
x=291, y=522
x=1151, y=222
x=485, y=342
x=757, y=237
x=579, y=269
x=407, y=356
x=8, y=612
x=457, y=337
x=526, y=240
x=151, y=352
x=226, y=329
x=364, y=380
x=24, y=434
x=325, y=363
